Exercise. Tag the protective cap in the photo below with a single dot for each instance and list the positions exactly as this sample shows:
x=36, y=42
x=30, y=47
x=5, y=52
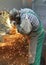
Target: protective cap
x=13, y=11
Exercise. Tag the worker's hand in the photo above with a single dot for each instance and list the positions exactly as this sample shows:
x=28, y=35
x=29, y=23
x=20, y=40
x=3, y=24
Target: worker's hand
x=26, y=26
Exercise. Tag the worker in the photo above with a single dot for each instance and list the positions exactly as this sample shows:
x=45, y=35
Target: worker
x=27, y=22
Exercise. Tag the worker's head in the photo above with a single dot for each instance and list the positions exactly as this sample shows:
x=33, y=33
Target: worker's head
x=15, y=16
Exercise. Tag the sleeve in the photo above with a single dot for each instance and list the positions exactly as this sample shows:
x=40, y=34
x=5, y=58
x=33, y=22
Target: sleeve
x=35, y=23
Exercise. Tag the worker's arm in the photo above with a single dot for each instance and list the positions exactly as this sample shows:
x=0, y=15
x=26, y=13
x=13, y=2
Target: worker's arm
x=35, y=23
x=27, y=26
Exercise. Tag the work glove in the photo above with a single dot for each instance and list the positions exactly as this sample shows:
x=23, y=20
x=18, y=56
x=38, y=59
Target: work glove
x=25, y=27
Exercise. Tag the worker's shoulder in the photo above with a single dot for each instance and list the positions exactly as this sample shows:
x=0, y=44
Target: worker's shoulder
x=25, y=10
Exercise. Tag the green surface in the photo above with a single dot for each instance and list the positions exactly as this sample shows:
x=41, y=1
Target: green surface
x=39, y=49
x=40, y=33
